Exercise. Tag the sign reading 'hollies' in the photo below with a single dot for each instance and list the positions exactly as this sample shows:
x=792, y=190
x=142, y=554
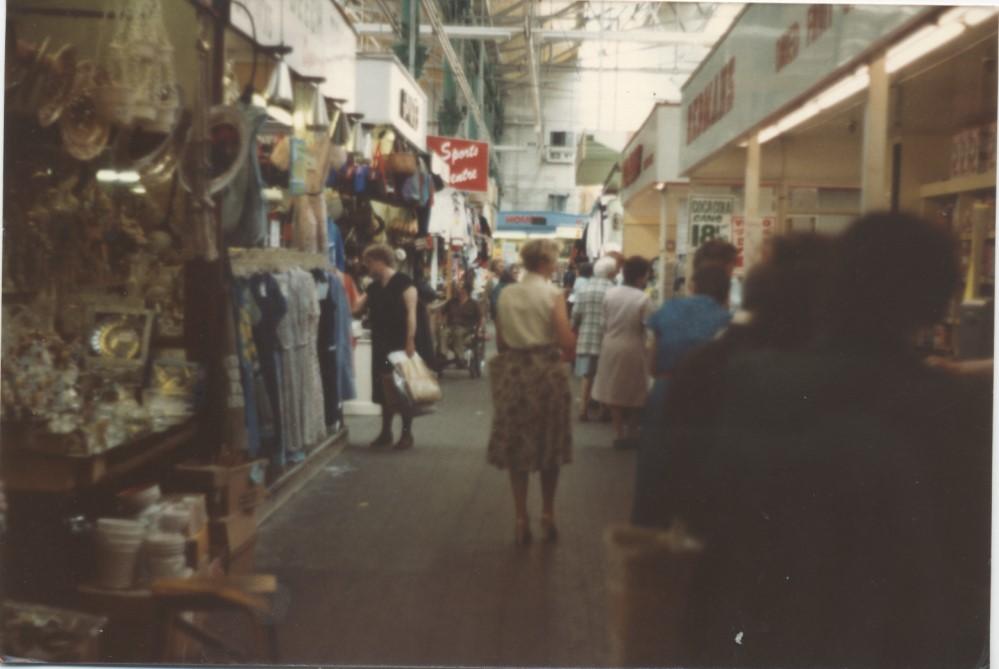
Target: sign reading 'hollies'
x=468, y=160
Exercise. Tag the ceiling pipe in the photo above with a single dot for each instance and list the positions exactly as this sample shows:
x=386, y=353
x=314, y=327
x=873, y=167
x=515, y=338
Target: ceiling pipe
x=532, y=68
x=453, y=32
x=501, y=34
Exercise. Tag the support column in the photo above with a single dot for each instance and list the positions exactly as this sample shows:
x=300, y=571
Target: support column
x=663, y=243
x=751, y=187
x=874, y=168
x=752, y=234
x=667, y=242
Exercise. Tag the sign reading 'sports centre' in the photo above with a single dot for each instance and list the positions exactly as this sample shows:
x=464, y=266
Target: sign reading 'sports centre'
x=468, y=160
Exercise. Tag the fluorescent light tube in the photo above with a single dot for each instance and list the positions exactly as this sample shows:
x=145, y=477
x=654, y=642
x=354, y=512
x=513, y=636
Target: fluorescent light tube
x=919, y=44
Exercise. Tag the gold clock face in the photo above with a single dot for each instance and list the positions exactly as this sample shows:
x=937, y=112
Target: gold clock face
x=118, y=338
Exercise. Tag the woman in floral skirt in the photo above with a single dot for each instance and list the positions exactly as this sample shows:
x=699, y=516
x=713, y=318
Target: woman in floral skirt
x=531, y=429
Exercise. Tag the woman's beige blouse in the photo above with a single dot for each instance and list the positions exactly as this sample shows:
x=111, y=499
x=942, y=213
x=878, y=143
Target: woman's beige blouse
x=524, y=313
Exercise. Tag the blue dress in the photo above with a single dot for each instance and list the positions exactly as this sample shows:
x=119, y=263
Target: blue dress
x=680, y=325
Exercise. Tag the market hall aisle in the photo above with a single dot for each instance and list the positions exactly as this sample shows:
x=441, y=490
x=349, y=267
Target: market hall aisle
x=408, y=557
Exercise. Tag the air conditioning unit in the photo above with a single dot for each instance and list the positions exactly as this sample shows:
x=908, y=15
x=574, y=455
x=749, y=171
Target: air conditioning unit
x=560, y=154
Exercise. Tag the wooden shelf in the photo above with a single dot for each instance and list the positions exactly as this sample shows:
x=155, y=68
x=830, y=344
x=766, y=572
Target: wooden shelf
x=957, y=185
x=28, y=470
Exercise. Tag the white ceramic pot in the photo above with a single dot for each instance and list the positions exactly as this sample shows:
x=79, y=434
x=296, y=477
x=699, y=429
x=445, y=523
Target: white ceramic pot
x=116, y=564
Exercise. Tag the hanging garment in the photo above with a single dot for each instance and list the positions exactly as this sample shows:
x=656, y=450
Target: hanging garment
x=302, y=410
x=244, y=217
x=304, y=236
x=445, y=214
x=272, y=307
x=246, y=350
x=329, y=344
x=343, y=336
x=334, y=243
x=326, y=349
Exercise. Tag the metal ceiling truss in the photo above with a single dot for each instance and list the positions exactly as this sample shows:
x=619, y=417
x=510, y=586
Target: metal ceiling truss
x=433, y=15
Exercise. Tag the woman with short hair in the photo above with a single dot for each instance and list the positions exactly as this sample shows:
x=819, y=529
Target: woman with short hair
x=622, y=379
x=531, y=428
x=396, y=320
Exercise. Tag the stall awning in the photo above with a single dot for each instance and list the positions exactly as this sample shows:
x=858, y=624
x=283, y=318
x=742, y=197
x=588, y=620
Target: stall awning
x=595, y=160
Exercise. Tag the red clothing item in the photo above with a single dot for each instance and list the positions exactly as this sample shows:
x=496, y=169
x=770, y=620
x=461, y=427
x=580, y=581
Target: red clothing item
x=351, y=288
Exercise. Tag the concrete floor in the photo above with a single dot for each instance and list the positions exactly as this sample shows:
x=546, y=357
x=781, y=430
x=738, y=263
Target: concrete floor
x=390, y=558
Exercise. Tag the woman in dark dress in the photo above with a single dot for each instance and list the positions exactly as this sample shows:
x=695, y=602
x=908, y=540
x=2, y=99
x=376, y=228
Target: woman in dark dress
x=391, y=300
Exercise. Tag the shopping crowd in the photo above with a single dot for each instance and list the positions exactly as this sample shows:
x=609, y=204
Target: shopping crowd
x=838, y=481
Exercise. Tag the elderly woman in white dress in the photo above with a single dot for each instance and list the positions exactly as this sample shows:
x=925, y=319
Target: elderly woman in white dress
x=622, y=380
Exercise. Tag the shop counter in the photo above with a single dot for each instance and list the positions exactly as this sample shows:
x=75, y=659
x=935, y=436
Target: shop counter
x=27, y=469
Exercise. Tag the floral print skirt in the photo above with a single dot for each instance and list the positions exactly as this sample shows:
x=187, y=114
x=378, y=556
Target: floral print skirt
x=532, y=425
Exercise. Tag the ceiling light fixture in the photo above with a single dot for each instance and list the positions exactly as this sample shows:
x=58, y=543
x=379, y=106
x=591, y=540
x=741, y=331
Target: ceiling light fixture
x=280, y=95
x=319, y=118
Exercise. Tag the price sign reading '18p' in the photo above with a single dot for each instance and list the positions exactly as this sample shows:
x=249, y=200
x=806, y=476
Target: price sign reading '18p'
x=710, y=218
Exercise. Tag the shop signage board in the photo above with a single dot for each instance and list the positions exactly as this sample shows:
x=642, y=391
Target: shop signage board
x=750, y=237
x=774, y=54
x=386, y=93
x=538, y=221
x=467, y=160
x=710, y=217
x=323, y=42
x=652, y=155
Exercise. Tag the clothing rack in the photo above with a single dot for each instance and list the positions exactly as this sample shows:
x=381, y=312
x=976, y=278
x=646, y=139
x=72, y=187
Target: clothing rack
x=247, y=262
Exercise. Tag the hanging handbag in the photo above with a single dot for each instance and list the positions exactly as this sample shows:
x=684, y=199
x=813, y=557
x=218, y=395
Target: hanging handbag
x=400, y=164
x=379, y=185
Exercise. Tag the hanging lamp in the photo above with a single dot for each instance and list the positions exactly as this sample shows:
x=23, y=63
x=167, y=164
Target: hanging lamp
x=319, y=118
x=280, y=95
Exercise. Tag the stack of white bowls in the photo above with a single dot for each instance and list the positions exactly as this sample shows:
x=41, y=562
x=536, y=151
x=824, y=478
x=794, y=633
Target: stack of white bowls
x=138, y=500
x=165, y=555
x=176, y=518
x=118, y=544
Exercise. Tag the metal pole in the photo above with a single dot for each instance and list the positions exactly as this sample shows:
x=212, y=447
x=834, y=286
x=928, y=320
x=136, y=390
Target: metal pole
x=414, y=33
x=482, y=83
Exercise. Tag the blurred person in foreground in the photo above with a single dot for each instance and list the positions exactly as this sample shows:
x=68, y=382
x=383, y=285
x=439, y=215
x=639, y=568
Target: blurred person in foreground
x=588, y=323
x=725, y=254
x=622, y=378
x=531, y=427
x=846, y=515
x=781, y=295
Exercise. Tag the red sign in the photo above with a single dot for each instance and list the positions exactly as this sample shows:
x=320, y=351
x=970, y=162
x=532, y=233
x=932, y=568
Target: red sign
x=712, y=103
x=468, y=160
x=631, y=167
x=739, y=239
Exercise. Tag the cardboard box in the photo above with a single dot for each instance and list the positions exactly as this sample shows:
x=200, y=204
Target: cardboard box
x=198, y=549
x=243, y=561
x=228, y=490
x=231, y=534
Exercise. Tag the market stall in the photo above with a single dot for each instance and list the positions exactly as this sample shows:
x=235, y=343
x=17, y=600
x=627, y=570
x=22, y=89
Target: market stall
x=849, y=109
x=150, y=390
